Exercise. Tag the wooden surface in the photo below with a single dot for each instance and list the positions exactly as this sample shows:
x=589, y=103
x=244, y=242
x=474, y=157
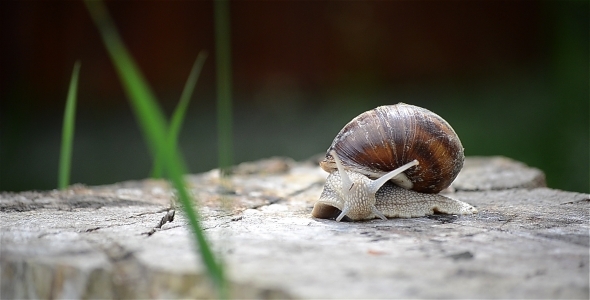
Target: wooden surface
x=527, y=241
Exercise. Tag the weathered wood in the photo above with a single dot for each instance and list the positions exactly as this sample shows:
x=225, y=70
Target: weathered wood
x=527, y=241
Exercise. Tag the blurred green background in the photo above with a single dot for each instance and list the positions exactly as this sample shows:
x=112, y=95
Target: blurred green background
x=512, y=78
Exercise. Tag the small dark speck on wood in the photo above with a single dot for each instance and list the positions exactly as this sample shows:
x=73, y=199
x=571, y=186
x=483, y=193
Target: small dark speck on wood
x=461, y=256
x=443, y=218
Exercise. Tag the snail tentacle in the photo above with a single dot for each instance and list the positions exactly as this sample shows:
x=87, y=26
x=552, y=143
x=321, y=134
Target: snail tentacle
x=346, y=182
x=343, y=213
x=379, y=214
x=377, y=183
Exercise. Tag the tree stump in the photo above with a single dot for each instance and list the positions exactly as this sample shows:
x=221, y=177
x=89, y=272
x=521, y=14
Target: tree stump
x=123, y=240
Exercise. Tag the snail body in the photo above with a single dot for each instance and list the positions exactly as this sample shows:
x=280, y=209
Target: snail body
x=391, y=162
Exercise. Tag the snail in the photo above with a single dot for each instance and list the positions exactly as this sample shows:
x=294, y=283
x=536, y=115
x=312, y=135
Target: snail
x=391, y=161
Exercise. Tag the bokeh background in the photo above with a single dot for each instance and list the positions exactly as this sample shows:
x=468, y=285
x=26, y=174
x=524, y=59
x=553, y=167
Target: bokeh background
x=511, y=77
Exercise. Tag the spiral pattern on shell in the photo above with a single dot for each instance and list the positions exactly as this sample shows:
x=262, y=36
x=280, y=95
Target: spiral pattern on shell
x=385, y=138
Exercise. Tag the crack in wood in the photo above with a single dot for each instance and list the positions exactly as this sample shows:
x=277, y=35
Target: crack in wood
x=168, y=217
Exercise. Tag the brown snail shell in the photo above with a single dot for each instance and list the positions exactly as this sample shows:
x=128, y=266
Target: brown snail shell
x=387, y=137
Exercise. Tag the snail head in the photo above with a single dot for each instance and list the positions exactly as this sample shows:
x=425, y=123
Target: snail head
x=358, y=191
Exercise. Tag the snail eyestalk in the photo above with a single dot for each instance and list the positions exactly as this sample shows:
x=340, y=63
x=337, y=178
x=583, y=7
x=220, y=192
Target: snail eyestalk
x=346, y=182
x=377, y=183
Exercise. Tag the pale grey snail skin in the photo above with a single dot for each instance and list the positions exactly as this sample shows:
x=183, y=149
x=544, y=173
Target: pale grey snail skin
x=409, y=145
x=356, y=198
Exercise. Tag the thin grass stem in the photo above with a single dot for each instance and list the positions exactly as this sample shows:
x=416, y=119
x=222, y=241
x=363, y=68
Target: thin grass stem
x=180, y=110
x=153, y=126
x=67, y=137
x=224, y=84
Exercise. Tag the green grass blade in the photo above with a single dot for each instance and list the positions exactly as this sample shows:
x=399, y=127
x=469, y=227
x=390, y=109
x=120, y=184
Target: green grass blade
x=153, y=126
x=224, y=84
x=67, y=137
x=180, y=111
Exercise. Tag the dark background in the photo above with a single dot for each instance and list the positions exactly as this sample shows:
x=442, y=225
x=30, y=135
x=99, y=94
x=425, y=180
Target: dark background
x=511, y=77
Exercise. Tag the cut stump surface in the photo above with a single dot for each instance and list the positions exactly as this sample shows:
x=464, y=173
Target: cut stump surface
x=122, y=241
